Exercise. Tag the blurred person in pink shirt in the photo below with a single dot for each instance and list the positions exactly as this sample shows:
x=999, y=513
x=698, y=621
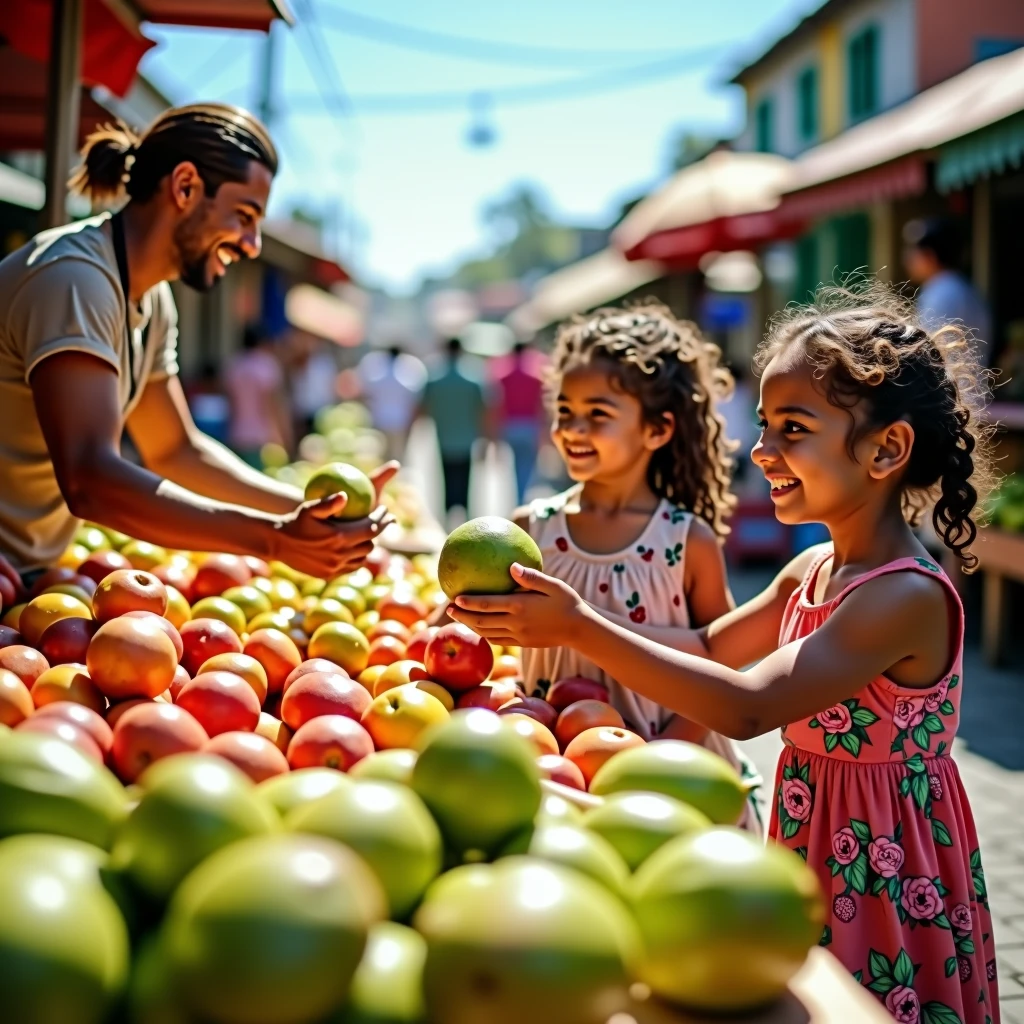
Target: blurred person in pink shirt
x=519, y=380
x=255, y=387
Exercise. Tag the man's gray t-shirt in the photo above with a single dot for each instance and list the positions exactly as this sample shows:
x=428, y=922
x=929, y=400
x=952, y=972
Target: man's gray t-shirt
x=61, y=292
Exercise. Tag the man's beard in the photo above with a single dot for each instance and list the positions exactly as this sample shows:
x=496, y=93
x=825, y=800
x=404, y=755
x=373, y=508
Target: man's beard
x=194, y=262
x=195, y=273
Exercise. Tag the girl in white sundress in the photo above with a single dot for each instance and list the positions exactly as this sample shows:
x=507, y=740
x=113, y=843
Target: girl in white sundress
x=639, y=535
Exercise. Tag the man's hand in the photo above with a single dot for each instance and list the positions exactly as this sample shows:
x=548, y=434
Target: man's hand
x=313, y=541
x=383, y=475
x=542, y=614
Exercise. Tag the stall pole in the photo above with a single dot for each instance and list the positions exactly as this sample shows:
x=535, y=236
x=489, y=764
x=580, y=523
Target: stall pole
x=62, y=105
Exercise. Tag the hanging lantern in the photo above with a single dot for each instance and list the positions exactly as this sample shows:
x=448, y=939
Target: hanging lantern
x=481, y=132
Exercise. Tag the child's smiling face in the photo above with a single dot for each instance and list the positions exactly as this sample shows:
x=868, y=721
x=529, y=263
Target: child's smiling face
x=804, y=450
x=599, y=429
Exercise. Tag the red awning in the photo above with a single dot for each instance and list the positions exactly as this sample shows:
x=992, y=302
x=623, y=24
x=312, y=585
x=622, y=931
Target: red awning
x=23, y=104
x=111, y=50
x=112, y=47
x=684, y=247
x=239, y=14
x=725, y=202
x=896, y=180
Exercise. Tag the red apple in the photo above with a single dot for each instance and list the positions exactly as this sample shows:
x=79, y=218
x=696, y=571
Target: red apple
x=10, y=636
x=24, y=661
x=173, y=574
x=533, y=707
x=117, y=711
x=489, y=695
x=181, y=677
x=583, y=715
x=52, y=725
x=323, y=693
x=330, y=741
x=277, y=653
x=312, y=665
x=255, y=755
x=84, y=718
x=67, y=640
x=560, y=769
x=593, y=747
x=8, y=593
x=458, y=658
x=220, y=702
x=172, y=634
x=573, y=688
x=402, y=607
x=150, y=730
x=257, y=566
x=102, y=563
x=128, y=590
x=416, y=649
x=216, y=573
x=203, y=638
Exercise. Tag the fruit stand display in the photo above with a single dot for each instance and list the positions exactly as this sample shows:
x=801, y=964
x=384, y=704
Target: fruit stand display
x=231, y=794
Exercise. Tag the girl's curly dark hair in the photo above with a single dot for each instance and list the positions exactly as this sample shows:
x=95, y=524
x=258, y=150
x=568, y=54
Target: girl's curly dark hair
x=867, y=344
x=669, y=367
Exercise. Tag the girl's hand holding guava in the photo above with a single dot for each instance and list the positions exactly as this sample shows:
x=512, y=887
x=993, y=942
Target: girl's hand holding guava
x=543, y=613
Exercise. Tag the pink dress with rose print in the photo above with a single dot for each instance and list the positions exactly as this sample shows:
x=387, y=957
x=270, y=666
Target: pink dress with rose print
x=868, y=795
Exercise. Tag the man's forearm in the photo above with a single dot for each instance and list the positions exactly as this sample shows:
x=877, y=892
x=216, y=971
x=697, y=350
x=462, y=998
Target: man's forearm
x=206, y=467
x=141, y=504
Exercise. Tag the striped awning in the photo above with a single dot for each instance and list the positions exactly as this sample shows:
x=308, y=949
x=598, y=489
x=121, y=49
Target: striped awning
x=995, y=149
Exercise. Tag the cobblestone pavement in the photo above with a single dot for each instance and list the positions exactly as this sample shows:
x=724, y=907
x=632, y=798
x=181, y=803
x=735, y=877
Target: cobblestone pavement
x=989, y=749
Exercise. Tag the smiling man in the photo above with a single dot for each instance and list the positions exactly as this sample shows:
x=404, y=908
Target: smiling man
x=88, y=345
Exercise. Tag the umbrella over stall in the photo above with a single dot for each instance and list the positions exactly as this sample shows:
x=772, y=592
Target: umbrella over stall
x=55, y=51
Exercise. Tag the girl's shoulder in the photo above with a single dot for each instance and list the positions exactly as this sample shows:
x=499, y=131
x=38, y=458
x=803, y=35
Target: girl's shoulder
x=539, y=513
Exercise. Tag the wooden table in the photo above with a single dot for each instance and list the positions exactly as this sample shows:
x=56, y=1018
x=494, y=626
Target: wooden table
x=1001, y=558
x=823, y=992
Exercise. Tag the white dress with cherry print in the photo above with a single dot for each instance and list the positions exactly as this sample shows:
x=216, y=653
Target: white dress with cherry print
x=645, y=583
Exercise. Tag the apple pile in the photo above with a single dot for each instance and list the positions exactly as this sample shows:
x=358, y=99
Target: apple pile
x=208, y=763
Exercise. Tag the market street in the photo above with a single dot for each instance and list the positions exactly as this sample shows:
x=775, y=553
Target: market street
x=988, y=749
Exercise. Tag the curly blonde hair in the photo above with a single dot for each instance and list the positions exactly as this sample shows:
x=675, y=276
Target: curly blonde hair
x=867, y=344
x=669, y=367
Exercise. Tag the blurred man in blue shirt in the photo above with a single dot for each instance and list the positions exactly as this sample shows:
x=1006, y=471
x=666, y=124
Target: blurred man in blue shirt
x=459, y=405
x=932, y=257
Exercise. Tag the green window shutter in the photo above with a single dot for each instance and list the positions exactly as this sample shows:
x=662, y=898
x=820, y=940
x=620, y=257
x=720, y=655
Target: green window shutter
x=807, y=104
x=763, y=126
x=853, y=243
x=863, y=73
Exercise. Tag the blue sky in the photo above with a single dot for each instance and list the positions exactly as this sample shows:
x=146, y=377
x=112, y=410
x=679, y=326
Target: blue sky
x=403, y=191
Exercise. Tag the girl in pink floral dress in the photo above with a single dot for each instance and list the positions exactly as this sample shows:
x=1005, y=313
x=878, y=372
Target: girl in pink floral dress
x=867, y=421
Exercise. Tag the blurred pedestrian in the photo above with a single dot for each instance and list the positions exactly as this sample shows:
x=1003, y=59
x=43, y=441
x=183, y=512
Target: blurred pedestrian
x=932, y=259
x=739, y=411
x=255, y=385
x=520, y=391
x=314, y=376
x=457, y=401
x=391, y=383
